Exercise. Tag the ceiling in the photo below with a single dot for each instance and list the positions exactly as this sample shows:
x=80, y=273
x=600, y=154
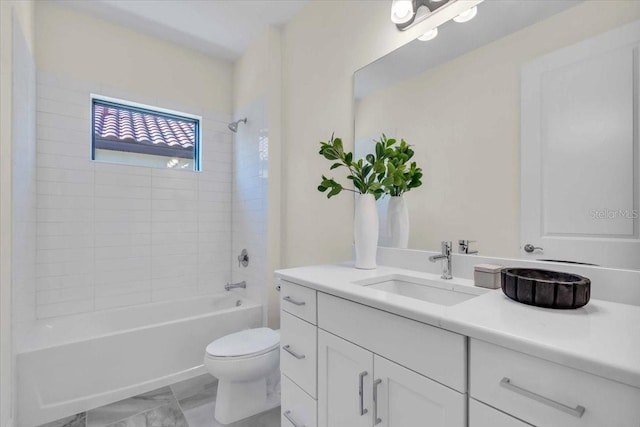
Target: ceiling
x=221, y=28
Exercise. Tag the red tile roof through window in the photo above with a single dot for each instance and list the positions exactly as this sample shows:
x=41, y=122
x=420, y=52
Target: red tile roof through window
x=124, y=125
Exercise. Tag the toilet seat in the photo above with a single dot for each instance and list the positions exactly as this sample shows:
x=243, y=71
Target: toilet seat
x=244, y=344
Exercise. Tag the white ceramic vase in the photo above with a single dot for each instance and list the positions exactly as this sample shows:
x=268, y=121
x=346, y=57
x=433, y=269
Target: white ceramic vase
x=365, y=231
x=398, y=222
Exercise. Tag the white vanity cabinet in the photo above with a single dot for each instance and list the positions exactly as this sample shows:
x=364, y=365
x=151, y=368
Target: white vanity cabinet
x=379, y=369
x=298, y=365
x=543, y=393
x=346, y=364
x=345, y=380
x=361, y=389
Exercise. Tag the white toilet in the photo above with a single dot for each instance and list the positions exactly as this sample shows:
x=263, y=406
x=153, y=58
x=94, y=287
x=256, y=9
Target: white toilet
x=241, y=362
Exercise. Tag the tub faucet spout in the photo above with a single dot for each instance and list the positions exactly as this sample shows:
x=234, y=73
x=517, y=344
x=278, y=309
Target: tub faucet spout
x=230, y=286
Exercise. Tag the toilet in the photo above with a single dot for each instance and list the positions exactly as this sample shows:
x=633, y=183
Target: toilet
x=242, y=362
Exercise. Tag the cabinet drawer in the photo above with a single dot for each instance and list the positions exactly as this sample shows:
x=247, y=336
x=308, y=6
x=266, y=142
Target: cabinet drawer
x=430, y=351
x=299, y=301
x=481, y=415
x=298, y=352
x=299, y=407
x=547, y=394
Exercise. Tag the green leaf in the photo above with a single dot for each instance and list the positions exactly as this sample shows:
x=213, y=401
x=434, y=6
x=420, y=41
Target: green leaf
x=337, y=144
x=335, y=165
x=334, y=191
x=379, y=150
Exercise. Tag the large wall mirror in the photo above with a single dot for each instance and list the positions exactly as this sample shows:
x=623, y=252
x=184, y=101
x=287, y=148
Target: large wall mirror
x=525, y=122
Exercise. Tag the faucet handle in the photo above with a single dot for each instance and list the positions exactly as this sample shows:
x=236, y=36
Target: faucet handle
x=463, y=246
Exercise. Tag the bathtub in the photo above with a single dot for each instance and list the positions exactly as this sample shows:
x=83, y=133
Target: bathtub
x=75, y=363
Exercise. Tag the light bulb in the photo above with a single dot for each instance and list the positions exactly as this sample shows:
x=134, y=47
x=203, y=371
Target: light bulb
x=467, y=15
x=401, y=11
x=429, y=35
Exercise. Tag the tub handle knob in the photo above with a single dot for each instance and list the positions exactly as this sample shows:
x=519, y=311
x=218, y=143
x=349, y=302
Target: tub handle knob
x=243, y=258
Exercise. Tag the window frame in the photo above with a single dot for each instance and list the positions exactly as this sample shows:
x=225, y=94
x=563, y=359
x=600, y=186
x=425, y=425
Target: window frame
x=147, y=109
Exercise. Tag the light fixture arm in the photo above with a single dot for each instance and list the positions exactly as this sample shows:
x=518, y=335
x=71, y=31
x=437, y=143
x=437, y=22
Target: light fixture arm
x=431, y=5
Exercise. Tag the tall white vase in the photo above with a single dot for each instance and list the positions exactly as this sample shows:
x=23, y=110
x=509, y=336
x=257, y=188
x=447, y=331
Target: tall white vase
x=398, y=222
x=365, y=231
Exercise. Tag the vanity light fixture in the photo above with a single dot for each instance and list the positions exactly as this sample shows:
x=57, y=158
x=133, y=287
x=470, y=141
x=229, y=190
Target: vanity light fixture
x=467, y=15
x=407, y=13
x=429, y=35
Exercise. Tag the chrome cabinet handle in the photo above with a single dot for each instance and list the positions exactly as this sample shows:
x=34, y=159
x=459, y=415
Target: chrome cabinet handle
x=287, y=415
x=293, y=301
x=361, y=392
x=376, y=420
x=287, y=348
x=577, y=412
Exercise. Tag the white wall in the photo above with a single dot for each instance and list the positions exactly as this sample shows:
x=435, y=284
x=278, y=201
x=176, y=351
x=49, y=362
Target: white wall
x=17, y=85
x=256, y=184
x=464, y=119
x=323, y=46
x=79, y=46
x=114, y=235
x=23, y=182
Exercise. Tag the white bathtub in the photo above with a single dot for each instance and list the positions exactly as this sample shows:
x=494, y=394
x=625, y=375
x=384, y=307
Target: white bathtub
x=71, y=364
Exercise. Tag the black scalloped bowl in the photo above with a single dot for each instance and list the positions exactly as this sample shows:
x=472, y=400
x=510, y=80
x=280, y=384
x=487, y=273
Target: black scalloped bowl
x=545, y=288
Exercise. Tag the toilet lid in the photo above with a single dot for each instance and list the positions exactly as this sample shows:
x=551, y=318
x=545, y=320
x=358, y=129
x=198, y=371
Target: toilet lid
x=244, y=343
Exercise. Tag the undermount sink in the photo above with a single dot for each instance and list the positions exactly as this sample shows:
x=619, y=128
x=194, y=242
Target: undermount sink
x=436, y=292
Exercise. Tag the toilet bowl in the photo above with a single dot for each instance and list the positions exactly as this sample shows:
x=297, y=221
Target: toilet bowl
x=241, y=362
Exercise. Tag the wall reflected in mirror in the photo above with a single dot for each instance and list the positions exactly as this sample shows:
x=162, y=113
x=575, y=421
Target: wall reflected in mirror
x=554, y=81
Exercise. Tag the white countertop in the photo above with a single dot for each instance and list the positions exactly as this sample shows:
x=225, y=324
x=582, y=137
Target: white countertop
x=602, y=338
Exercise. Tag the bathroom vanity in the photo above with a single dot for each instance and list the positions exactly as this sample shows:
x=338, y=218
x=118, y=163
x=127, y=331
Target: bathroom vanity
x=399, y=348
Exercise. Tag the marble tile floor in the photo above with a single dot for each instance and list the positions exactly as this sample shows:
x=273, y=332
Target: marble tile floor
x=189, y=403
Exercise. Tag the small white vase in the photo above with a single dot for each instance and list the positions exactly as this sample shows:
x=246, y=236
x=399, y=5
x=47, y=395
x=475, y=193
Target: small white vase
x=365, y=231
x=398, y=222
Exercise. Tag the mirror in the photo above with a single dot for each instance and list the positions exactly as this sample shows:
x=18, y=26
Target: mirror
x=525, y=123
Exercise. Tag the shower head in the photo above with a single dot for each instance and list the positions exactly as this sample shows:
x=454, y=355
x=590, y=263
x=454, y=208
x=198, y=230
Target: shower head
x=234, y=126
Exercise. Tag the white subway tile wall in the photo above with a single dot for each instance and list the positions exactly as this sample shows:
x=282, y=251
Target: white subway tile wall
x=111, y=235
x=249, y=198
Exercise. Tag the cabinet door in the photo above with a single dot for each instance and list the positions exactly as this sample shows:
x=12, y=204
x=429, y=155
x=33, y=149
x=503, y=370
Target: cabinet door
x=406, y=398
x=345, y=378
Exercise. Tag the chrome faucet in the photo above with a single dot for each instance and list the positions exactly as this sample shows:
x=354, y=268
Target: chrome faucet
x=444, y=256
x=230, y=286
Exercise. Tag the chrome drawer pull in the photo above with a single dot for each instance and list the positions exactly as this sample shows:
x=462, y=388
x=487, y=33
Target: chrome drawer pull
x=361, y=392
x=287, y=415
x=376, y=420
x=287, y=348
x=292, y=301
x=578, y=411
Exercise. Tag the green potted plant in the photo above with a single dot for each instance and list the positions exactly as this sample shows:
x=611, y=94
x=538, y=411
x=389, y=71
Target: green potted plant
x=366, y=175
x=401, y=176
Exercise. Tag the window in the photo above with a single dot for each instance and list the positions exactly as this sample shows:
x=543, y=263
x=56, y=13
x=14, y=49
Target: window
x=142, y=135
